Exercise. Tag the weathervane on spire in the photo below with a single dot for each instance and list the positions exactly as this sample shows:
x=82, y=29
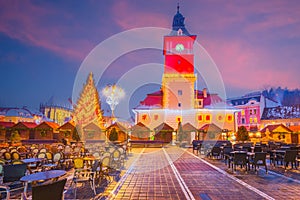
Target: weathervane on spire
x=178, y=7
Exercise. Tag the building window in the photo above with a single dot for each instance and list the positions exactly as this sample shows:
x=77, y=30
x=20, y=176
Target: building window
x=144, y=117
x=243, y=112
x=156, y=117
x=179, y=104
x=254, y=111
x=207, y=118
x=250, y=112
x=255, y=119
x=220, y=117
x=179, y=92
x=200, y=118
x=229, y=117
x=251, y=120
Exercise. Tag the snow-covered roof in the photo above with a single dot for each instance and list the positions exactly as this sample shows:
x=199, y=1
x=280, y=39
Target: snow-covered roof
x=281, y=112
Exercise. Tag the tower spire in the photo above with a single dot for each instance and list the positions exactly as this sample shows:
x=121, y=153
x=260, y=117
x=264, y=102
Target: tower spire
x=177, y=7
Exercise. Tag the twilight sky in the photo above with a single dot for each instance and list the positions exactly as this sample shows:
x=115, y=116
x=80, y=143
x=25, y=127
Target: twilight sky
x=255, y=44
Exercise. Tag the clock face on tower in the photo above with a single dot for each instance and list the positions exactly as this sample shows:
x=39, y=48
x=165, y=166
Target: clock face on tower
x=179, y=47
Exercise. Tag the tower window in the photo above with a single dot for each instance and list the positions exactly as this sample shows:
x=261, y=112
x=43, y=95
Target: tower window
x=179, y=92
x=179, y=104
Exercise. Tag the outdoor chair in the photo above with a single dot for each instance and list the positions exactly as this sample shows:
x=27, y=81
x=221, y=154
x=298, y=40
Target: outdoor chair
x=49, y=157
x=54, y=163
x=2, y=151
x=215, y=152
x=273, y=158
x=117, y=159
x=257, y=149
x=106, y=169
x=7, y=156
x=239, y=159
x=226, y=154
x=34, y=152
x=17, y=162
x=78, y=163
x=96, y=168
x=12, y=175
x=298, y=159
x=12, y=149
x=82, y=176
x=49, y=191
x=2, y=162
x=97, y=155
x=41, y=155
x=43, y=150
x=15, y=156
x=289, y=157
x=105, y=154
x=246, y=148
x=4, y=189
x=196, y=147
x=259, y=159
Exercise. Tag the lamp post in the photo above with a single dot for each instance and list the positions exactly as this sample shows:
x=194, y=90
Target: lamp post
x=113, y=94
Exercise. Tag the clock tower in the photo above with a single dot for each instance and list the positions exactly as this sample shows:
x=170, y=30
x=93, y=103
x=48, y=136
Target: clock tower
x=178, y=82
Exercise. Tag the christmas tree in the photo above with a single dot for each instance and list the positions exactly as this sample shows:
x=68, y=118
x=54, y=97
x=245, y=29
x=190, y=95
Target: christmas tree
x=88, y=107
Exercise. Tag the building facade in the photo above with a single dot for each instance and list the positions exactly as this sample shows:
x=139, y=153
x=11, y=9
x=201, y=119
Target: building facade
x=178, y=101
x=251, y=107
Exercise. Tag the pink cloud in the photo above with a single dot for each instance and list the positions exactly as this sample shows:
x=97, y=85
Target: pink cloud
x=31, y=24
x=251, y=67
x=127, y=17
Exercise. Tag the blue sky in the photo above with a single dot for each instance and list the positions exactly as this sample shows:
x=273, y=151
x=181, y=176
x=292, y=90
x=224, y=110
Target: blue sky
x=255, y=44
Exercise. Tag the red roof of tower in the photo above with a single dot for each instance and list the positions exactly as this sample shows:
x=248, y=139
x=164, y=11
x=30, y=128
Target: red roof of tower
x=155, y=98
x=152, y=99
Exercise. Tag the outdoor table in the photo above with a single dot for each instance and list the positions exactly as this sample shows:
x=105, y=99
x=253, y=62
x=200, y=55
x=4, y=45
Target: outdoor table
x=29, y=161
x=279, y=152
x=32, y=160
x=250, y=154
x=233, y=152
x=41, y=176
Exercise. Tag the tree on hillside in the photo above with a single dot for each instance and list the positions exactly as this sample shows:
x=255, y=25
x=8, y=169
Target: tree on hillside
x=242, y=134
x=15, y=137
x=113, y=136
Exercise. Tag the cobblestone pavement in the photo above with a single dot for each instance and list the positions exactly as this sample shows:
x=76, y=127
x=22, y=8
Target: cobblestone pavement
x=218, y=182
x=176, y=173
